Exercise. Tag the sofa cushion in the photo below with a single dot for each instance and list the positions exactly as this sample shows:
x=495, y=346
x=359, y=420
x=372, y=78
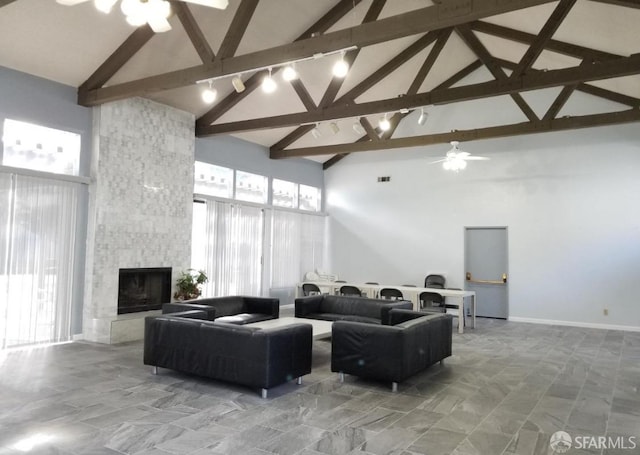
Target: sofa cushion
x=348, y=305
x=244, y=318
x=228, y=306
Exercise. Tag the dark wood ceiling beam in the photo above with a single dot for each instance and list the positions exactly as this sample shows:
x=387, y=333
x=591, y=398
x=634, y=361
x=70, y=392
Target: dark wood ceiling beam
x=303, y=94
x=194, y=32
x=533, y=81
x=120, y=56
x=428, y=63
x=571, y=50
x=625, y=3
x=6, y=2
x=446, y=14
x=591, y=89
x=336, y=82
x=454, y=79
x=547, y=31
x=471, y=40
x=237, y=28
x=371, y=132
x=293, y=136
x=560, y=101
x=539, y=126
x=320, y=26
x=369, y=81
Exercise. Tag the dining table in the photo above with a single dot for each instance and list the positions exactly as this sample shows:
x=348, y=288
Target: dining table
x=454, y=298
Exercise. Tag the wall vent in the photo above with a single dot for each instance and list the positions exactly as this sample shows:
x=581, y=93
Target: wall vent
x=384, y=179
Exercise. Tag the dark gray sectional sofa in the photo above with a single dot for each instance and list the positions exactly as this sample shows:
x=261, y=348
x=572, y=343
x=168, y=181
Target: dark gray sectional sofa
x=259, y=358
x=347, y=308
x=406, y=344
x=234, y=309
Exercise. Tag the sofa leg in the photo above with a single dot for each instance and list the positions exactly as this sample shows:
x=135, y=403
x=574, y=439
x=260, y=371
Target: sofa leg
x=299, y=380
x=394, y=387
x=341, y=376
x=264, y=393
x=154, y=370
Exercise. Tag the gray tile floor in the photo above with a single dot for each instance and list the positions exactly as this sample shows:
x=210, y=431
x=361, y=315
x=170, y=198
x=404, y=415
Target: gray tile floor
x=506, y=390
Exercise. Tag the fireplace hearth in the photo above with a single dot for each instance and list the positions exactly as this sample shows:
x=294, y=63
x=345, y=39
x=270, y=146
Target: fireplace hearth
x=143, y=289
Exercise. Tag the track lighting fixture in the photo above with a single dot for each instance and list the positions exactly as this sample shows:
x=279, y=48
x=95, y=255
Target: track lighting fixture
x=237, y=83
x=384, y=123
x=341, y=67
x=423, y=117
x=268, y=84
x=315, y=132
x=289, y=73
x=358, y=128
x=335, y=129
x=209, y=94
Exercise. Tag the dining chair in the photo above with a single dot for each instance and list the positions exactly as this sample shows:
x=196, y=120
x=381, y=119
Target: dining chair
x=391, y=293
x=434, y=281
x=350, y=290
x=310, y=289
x=431, y=302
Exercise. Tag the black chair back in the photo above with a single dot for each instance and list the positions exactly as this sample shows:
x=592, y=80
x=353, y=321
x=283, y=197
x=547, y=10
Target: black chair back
x=434, y=281
x=431, y=301
x=350, y=290
x=391, y=293
x=310, y=289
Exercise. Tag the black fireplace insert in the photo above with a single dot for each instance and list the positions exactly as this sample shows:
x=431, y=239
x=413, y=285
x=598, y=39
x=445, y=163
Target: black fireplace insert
x=143, y=289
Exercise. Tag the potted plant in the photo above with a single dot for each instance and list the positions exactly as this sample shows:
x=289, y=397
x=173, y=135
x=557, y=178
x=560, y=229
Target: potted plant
x=188, y=284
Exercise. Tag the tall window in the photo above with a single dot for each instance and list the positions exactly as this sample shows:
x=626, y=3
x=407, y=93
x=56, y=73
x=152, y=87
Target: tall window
x=298, y=243
x=251, y=187
x=285, y=194
x=39, y=148
x=213, y=180
x=227, y=241
x=37, y=238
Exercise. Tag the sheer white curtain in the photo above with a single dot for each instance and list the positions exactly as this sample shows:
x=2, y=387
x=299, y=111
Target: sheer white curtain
x=37, y=236
x=232, y=249
x=298, y=246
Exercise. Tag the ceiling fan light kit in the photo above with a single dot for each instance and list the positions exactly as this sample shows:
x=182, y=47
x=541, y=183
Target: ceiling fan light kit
x=456, y=159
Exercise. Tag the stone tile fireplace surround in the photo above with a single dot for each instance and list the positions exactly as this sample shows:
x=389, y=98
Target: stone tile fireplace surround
x=140, y=206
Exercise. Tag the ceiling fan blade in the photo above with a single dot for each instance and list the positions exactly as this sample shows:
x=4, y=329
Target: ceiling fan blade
x=220, y=4
x=159, y=24
x=438, y=161
x=71, y=2
x=477, y=158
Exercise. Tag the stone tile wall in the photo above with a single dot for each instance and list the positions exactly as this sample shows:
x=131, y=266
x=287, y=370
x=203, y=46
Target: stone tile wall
x=140, y=206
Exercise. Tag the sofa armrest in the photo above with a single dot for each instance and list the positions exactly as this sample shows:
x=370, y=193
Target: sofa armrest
x=190, y=314
x=263, y=305
x=397, y=316
x=179, y=307
x=384, y=311
x=367, y=350
x=304, y=306
x=288, y=352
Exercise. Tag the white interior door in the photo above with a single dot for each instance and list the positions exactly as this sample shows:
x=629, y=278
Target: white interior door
x=486, y=253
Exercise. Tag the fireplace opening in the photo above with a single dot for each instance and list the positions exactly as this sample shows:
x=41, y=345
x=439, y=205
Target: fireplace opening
x=143, y=289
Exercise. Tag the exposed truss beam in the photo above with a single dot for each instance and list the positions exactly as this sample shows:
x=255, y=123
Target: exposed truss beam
x=539, y=126
x=5, y=2
x=547, y=31
x=367, y=83
x=591, y=89
x=534, y=81
x=120, y=56
x=438, y=16
x=560, y=101
x=194, y=32
x=571, y=50
x=371, y=132
x=489, y=61
x=626, y=3
x=237, y=28
x=428, y=63
x=303, y=94
x=320, y=26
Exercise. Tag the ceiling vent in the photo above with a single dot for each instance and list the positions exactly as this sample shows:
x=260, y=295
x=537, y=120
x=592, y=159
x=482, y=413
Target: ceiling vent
x=384, y=179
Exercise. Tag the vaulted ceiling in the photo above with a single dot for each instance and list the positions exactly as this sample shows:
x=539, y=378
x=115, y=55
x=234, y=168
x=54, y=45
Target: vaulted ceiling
x=406, y=56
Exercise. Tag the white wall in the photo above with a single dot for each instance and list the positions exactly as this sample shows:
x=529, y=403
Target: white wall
x=570, y=200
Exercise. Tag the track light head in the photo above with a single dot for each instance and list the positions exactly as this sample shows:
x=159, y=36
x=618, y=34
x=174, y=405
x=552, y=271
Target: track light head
x=341, y=67
x=315, y=132
x=268, y=84
x=358, y=128
x=384, y=123
x=289, y=73
x=238, y=85
x=423, y=117
x=335, y=129
x=209, y=94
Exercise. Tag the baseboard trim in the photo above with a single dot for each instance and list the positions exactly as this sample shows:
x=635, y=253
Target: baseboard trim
x=77, y=337
x=586, y=325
